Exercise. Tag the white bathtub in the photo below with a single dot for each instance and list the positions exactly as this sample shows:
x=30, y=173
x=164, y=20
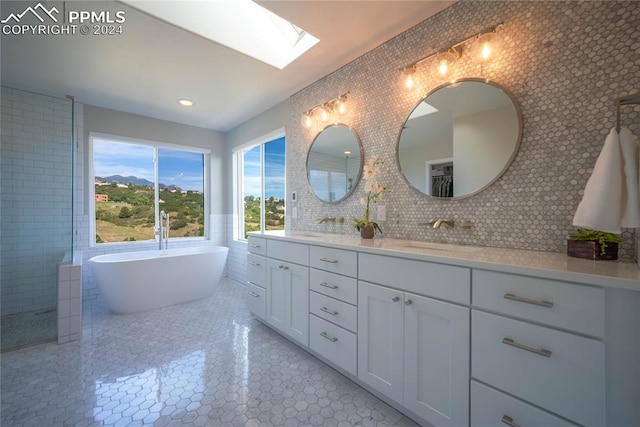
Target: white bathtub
x=137, y=281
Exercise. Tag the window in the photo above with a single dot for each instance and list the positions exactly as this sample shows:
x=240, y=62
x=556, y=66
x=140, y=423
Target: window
x=133, y=181
x=260, y=182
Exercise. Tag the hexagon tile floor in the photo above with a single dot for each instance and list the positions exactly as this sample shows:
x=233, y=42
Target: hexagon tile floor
x=204, y=363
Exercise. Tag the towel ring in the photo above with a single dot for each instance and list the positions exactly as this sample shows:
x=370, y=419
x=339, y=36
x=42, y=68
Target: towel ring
x=625, y=100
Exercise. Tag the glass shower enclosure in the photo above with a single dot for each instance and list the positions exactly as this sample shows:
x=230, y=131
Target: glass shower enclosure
x=36, y=212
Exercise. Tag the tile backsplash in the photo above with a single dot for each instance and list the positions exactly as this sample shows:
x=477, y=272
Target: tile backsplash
x=564, y=62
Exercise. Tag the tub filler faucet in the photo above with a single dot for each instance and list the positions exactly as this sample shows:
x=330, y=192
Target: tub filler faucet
x=163, y=232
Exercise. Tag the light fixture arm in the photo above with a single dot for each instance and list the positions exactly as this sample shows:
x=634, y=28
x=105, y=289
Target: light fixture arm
x=452, y=48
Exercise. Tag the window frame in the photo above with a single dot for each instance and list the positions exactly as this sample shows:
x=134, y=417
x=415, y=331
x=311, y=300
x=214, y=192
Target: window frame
x=155, y=145
x=238, y=181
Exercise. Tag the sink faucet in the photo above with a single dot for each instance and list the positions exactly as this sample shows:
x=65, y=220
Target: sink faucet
x=437, y=223
x=327, y=219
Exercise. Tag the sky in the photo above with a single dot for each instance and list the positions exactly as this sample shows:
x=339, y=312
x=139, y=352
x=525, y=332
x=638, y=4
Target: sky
x=184, y=169
x=274, y=169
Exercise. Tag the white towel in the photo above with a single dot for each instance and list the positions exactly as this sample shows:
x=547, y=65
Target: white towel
x=601, y=208
x=630, y=185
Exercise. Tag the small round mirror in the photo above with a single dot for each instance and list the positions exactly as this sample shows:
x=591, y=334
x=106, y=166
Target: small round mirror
x=334, y=163
x=460, y=139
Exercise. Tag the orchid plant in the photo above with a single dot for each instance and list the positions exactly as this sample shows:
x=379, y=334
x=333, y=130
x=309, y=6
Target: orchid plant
x=374, y=190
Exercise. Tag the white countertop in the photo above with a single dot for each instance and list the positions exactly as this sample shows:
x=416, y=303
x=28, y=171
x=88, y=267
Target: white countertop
x=551, y=265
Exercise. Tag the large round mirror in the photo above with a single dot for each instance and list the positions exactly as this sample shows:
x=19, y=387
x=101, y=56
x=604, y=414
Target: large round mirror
x=334, y=163
x=460, y=139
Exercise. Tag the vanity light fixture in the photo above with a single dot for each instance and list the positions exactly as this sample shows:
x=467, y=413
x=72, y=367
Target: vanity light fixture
x=323, y=112
x=486, y=44
x=185, y=103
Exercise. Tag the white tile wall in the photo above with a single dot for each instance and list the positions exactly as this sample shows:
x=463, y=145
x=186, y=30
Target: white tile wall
x=36, y=206
x=69, y=302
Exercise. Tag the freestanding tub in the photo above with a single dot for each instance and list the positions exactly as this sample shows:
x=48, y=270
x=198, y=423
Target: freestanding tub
x=138, y=281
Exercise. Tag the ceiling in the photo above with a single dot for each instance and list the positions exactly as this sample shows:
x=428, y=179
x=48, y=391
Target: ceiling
x=152, y=65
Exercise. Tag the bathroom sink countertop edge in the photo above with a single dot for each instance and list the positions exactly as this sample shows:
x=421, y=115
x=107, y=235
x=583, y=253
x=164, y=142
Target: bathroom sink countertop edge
x=552, y=265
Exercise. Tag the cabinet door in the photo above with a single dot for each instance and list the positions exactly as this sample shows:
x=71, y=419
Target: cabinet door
x=288, y=299
x=276, y=294
x=380, y=338
x=436, y=360
x=297, y=302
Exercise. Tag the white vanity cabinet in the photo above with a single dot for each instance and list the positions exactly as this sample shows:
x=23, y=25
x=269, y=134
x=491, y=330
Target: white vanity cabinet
x=412, y=348
x=456, y=341
x=333, y=311
x=560, y=370
x=287, y=292
x=257, y=277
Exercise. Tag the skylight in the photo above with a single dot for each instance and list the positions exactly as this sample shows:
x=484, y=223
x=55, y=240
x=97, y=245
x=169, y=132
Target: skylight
x=241, y=25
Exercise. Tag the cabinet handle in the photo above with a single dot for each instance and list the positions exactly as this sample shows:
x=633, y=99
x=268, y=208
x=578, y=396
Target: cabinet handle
x=395, y=299
x=506, y=419
x=257, y=264
x=332, y=261
x=325, y=335
x=331, y=312
x=283, y=267
x=512, y=297
x=542, y=352
x=327, y=285
x=254, y=246
x=408, y=302
x=253, y=294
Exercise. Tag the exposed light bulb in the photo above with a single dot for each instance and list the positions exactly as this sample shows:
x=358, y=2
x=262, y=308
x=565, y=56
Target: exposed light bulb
x=324, y=114
x=486, y=47
x=341, y=106
x=443, y=67
x=485, y=52
x=307, y=120
x=409, y=82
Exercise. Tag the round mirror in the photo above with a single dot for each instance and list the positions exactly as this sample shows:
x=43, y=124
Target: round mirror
x=460, y=139
x=334, y=163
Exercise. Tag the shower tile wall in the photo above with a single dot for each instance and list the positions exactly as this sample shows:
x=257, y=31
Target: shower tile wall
x=36, y=168
x=565, y=62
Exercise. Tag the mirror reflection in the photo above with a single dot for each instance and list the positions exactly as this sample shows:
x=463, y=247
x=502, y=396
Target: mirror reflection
x=334, y=163
x=460, y=139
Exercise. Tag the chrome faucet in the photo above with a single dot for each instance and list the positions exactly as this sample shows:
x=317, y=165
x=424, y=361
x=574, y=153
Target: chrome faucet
x=437, y=223
x=447, y=223
x=327, y=219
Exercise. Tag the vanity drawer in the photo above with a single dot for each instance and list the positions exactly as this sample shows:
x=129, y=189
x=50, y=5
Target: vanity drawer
x=288, y=251
x=568, y=380
x=339, y=261
x=257, y=270
x=256, y=300
x=257, y=245
x=333, y=310
x=334, y=344
x=441, y=281
x=565, y=305
x=334, y=285
x=491, y=408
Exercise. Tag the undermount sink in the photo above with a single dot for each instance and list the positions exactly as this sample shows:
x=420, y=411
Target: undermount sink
x=449, y=247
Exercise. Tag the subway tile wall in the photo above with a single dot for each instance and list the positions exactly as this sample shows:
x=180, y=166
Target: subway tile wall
x=565, y=63
x=36, y=163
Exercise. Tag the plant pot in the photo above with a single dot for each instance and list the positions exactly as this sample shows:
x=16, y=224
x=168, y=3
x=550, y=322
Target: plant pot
x=367, y=231
x=589, y=249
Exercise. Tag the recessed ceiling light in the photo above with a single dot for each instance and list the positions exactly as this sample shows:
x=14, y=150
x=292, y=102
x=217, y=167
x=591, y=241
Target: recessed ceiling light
x=241, y=25
x=186, y=103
